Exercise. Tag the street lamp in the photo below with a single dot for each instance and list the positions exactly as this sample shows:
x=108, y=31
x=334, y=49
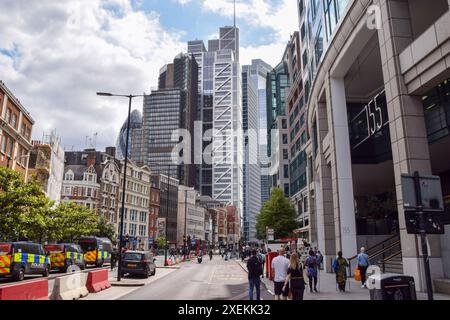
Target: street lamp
x=122, y=214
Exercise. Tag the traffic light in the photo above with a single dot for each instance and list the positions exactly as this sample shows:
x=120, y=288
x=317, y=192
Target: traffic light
x=184, y=238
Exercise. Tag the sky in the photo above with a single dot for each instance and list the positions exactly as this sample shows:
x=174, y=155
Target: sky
x=55, y=55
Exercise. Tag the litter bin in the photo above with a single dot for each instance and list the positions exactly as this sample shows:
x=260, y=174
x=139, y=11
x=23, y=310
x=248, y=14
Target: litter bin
x=390, y=286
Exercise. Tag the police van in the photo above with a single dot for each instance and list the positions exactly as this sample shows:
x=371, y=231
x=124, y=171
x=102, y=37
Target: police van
x=97, y=251
x=64, y=255
x=18, y=259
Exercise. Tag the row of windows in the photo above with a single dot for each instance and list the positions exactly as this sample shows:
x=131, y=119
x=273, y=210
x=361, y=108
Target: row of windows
x=80, y=192
x=7, y=148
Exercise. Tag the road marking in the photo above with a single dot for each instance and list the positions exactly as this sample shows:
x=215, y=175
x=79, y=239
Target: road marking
x=269, y=291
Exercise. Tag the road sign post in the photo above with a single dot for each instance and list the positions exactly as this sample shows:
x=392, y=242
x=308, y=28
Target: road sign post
x=424, y=207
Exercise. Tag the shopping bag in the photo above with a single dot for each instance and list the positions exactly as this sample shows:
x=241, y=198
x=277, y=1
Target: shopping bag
x=357, y=275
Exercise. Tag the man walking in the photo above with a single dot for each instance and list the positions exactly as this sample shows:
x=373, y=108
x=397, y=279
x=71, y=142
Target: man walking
x=262, y=260
x=254, y=273
x=280, y=266
x=363, y=264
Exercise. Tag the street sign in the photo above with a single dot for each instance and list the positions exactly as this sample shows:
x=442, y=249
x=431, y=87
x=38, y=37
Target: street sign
x=431, y=193
x=151, y=241
x=270, y=234
x=433, y=223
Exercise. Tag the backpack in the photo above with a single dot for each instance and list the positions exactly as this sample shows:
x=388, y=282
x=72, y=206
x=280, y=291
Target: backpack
x=335, y=265
x=312, y=262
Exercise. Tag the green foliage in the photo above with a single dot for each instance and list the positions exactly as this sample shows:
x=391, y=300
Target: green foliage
x=279, y=214
x=106, y=230
x=23, y=207
x=25, y=213
x=161, y=242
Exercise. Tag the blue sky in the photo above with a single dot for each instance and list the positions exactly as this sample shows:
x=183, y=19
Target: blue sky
x=195, y=22
x=55, y=55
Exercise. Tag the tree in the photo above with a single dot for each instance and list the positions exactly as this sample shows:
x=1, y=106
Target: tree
x=23, y=208
x=106, y=230
x=279, y=214
x=75, y=221
x=161, y=242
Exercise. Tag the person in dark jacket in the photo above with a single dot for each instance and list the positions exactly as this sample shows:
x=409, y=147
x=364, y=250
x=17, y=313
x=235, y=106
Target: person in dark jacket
x=254, y=273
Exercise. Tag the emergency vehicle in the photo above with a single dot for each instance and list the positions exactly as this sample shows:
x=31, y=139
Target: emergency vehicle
x=97, y=251
x=64, y=255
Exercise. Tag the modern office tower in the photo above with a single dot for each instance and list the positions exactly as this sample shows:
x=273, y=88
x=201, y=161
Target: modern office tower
x=259, y=70
x=278, y=85
x=206, y=60
x=252, y=168
x=377, y=95
x=135, y=146
x=172, y=107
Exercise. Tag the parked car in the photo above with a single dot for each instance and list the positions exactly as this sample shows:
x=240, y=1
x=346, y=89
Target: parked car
x=138, y=263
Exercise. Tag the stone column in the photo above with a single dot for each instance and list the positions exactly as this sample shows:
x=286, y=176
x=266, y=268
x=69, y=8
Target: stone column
x=326, y=234
x=341, y=169
x=410, y=149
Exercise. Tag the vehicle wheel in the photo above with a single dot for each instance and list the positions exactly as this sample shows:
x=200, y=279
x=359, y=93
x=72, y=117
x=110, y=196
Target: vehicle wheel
x=99, y=265
x=46, y=272
x=83, y=266
x=154, y=272
x=19, y=276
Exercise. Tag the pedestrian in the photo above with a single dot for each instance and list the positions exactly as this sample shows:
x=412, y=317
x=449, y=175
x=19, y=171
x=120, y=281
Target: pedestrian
x=210, y=255
x=363, y=264
x=113, y=259
x=340, y=268
x=255, y=271
x=295, y=278
x=319, y=259
x=312, y=270
x=280, y=266
x=262, y=259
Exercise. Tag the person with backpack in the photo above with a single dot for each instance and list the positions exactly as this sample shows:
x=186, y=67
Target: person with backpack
x=295, y=278
x=255, y=271
x=312, y=269
x=363, y=264
x=340, y=266
x=262, y=260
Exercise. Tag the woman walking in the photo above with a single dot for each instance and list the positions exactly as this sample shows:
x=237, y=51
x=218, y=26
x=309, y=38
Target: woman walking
x=295, y=276
x=340, y=266
x=312, y=268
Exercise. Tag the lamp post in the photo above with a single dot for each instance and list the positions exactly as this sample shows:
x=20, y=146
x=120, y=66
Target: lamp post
x=185, y=223
x=122, y=214
x=167, y=214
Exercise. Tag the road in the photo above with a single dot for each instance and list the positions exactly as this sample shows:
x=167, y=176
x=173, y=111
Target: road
x=211, y=280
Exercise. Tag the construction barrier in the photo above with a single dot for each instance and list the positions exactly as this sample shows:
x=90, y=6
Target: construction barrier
x=30, y=290
x=71, y=287
x=98, y=281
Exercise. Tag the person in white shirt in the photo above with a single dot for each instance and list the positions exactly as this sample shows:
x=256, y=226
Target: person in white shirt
x=280, y=266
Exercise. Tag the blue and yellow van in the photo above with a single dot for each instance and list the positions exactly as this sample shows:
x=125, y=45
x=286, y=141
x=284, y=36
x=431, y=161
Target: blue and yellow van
x=18, y=259
x=97, y=251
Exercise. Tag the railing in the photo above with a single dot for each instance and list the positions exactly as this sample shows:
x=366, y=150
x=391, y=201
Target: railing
x=381, y=249
x=390, y=258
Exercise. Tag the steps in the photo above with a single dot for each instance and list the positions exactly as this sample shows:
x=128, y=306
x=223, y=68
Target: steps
x=395, y=265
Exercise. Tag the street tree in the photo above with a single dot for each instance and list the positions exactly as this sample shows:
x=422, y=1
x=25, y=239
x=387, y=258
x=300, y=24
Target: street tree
x=75, y=221
x=24, y=208
x=106, y=230
x=161, y=242
x=279, y=214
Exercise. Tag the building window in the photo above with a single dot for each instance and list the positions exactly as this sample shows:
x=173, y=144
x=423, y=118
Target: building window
x=8, y=115
x=286, y=171
x=285, y=139
x=284, y=123
x=286, y=189
x=285, y=154
x=14, y=121
x=4, y=143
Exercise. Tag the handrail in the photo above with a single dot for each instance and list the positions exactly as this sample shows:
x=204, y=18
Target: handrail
x=384, y=250
x=375, y=246
x=391, y=257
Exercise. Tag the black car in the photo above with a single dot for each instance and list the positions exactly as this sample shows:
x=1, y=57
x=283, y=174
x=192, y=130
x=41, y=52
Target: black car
x=138, y=263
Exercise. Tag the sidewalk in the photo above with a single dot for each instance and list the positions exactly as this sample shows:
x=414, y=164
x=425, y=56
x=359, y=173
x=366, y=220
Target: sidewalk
x=328, y=291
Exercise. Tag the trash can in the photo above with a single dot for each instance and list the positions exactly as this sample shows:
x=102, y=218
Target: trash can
x=390, y=286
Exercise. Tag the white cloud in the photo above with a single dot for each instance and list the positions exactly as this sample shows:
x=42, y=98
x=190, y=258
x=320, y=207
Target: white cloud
x=283, y=19
x=69, y=50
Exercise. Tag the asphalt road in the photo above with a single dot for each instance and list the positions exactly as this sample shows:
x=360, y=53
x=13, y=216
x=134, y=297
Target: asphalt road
x=211, y=280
